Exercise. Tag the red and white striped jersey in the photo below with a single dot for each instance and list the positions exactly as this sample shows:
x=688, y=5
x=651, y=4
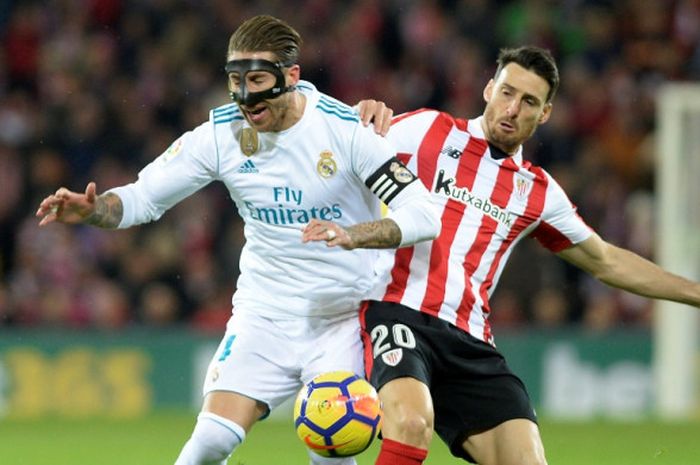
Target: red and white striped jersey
x=488, y=202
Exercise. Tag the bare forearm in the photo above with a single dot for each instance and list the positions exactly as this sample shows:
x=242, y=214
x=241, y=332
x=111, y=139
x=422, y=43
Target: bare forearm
x=108, y=212
x=382, y=234
x=640, y=276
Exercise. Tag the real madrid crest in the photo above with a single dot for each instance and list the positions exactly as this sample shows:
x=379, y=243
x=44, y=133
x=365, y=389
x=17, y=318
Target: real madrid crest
x=249, y=141
x=326, y=166
x=401, y=173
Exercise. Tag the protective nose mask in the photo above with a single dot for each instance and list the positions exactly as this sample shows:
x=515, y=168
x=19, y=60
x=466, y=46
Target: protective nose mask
x=243, y=67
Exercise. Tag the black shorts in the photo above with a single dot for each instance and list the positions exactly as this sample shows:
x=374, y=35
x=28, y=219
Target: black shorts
x=472, y=388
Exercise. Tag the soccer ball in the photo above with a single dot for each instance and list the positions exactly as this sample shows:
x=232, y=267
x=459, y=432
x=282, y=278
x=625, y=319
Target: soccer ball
x=337, y=414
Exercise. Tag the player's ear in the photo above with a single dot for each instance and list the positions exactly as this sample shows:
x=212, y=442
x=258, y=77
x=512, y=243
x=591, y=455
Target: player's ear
x=546, y=112
x=488, y=90
x=293, y=74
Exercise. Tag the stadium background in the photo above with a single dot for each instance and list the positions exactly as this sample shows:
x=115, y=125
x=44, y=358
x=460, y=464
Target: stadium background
x=117, y=325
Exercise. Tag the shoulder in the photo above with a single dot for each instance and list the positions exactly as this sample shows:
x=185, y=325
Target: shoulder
x=412, y=127
x=335, y=109
x=328, y=107
x=424, y=118
x=225, y=114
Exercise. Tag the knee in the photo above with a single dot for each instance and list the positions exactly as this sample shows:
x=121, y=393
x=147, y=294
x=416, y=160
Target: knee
x=414, y=428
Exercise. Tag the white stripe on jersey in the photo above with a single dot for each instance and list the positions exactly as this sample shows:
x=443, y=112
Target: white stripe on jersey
x=488, y=204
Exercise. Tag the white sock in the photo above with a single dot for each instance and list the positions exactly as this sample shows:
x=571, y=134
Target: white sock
x=318, y=460
x=213, y=440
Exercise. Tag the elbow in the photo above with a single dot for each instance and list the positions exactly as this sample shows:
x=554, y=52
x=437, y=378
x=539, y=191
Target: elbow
x=429, y=225
x=435, y=223
x=418, y=224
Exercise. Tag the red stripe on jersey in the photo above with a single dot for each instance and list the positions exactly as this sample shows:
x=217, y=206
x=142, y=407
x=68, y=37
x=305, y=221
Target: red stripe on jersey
x=535, y=205
x=399, y=274
x=551, y=238
x=398, y=118
x=427, y=155
x=461, y=124
x=451, y=218
x=366, y=340
x=427, y=161
x=404, y=157
x=502, y=190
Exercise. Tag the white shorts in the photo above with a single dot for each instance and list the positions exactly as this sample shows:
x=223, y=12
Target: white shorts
x=269, y=360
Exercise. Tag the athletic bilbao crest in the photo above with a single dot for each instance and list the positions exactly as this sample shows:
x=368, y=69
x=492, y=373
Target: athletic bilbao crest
x=522, y=187
x=393, y=357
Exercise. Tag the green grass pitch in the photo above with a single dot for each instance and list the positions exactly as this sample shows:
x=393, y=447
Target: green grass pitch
x=157, y=439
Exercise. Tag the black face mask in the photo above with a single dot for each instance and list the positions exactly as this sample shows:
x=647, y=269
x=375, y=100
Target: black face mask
x=243, y=67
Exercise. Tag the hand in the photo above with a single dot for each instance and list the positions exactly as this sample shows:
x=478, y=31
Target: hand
x=373, y=111
x=67, y=207
x=332, y=234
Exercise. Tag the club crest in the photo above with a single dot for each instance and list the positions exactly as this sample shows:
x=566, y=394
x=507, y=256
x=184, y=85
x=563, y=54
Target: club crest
x=393, y=357
x=249, y=141
x=401, y=173
x=522, y=187
x=326, y=166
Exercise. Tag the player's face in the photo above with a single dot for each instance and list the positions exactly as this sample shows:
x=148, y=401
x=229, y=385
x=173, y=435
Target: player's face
x=274, y=114
x=515, y=106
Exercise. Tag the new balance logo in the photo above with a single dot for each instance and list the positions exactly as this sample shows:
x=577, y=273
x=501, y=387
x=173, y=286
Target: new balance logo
x=451, y=152
x=248, y=167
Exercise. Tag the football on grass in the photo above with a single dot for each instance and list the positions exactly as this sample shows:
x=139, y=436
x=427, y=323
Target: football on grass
x=337, y=414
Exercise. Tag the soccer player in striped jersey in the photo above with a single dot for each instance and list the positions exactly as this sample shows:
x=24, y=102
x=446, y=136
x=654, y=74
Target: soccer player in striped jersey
x=429, y=346
x=307, y=178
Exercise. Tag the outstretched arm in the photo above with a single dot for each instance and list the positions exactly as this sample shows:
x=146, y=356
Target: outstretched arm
x=65, y=206
x=618, y=267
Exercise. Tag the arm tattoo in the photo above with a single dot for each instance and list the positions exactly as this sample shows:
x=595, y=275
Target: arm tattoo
x=108, y=211
x=382, y=234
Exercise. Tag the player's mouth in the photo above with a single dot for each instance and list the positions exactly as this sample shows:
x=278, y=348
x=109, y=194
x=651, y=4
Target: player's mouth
x=507, y=126
x=257, y=114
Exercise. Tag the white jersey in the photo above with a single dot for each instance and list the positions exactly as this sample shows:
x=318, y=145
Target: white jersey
x=488, y=203
x=315, y=169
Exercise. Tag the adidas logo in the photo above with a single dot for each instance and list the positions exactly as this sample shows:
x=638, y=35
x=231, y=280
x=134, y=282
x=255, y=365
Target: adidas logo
x=248, y=167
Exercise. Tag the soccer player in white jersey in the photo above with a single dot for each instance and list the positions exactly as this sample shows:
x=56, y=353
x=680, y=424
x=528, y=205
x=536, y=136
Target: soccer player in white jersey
x=429, y=347
x=307, y=178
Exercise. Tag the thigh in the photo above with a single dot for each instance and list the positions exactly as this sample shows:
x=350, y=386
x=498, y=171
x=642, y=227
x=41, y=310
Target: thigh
x=396, y=344
x=513, y=442
x=256, y=360
x=331, y=344
x=474, y=391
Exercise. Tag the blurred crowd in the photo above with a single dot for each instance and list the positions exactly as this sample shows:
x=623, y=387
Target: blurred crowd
x=95, y=89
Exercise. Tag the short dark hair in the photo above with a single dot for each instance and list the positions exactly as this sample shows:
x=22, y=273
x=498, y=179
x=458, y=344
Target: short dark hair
x=266, y=33
x=535, y=59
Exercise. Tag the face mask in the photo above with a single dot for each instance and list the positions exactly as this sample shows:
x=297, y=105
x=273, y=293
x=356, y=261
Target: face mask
x=243, y=67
